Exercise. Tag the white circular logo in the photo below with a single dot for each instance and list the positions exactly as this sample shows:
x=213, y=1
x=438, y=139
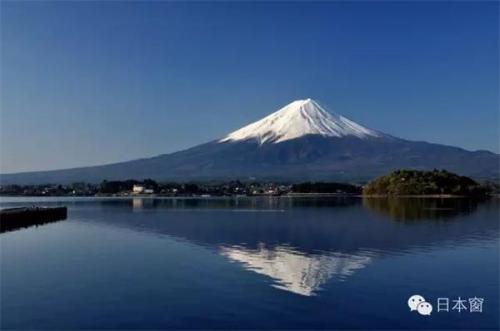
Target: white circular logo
x=414, y=301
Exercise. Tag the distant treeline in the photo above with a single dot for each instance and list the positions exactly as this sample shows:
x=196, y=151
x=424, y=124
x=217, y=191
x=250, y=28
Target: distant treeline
x=116, y=186
x=183, y=189
x=323, y=187
x=400, y=182
x=229, y=188
x=436, y=182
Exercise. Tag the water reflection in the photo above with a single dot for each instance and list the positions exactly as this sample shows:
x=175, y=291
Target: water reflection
x=141, y=203
x=301, y=244
x=414, y=209
x=239, y=203
x=293, y=270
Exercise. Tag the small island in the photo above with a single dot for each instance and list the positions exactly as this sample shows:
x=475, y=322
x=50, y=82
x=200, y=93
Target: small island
x=425, y=183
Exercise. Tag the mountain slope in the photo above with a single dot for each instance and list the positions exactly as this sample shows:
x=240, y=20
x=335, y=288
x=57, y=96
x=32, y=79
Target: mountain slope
x=299, y=142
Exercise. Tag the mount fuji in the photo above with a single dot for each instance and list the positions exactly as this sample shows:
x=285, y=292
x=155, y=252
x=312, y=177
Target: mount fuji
x=301, y=141
x=298, y=119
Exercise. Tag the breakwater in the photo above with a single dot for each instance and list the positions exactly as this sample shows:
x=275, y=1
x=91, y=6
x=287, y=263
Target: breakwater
x=16, y=218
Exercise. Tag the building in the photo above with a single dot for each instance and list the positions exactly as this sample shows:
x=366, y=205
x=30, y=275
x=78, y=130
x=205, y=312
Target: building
x=138, y=189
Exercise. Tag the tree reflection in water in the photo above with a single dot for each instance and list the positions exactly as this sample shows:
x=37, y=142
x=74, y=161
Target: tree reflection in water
x=418, y=209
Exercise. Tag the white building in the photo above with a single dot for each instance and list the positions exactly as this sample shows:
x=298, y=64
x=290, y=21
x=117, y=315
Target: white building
x=138, y=189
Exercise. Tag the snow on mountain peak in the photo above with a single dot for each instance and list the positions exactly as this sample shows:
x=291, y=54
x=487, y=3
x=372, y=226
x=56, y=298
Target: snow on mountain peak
x=297, y=119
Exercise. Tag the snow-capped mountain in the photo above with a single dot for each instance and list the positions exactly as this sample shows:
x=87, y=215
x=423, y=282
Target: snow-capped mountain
x=301, y=141
x=297, y=119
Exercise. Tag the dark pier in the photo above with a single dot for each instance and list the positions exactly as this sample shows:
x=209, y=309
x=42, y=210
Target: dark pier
x=16, y=218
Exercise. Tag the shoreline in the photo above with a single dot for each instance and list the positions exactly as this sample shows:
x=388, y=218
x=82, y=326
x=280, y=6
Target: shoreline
x=434, y=196
x=290, y=195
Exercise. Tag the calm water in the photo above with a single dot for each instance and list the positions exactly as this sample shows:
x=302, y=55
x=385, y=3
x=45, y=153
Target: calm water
x=264, y=263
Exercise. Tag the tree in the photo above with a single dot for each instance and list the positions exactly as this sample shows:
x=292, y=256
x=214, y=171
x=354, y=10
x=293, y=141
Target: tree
x=415, y=182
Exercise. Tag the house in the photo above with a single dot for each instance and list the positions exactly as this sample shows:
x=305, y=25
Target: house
x=138, y=189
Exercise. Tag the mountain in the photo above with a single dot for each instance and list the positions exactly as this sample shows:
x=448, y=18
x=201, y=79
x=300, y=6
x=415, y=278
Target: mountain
x=301, y=141
x=298, y=119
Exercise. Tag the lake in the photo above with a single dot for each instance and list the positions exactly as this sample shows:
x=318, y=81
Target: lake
x=252, y=263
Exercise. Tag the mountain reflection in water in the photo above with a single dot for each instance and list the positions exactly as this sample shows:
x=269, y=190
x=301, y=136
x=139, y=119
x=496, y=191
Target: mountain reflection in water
x=301, y=243
x=295, y=271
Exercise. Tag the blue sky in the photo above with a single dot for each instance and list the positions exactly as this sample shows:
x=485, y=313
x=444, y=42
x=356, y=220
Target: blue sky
x=88, y=83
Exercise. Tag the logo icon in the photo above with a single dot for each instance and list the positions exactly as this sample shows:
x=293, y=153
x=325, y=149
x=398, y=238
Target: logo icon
x=424, y=308
x=414, y=301
x=417, y=303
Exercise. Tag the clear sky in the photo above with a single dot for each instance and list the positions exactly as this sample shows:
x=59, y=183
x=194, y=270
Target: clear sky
x=87, y=83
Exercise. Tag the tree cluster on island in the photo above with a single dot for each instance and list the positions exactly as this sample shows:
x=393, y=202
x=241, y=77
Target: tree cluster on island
x=436, y=182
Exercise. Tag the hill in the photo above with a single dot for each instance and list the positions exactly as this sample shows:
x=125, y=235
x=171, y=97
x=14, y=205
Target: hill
x=413, y=182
